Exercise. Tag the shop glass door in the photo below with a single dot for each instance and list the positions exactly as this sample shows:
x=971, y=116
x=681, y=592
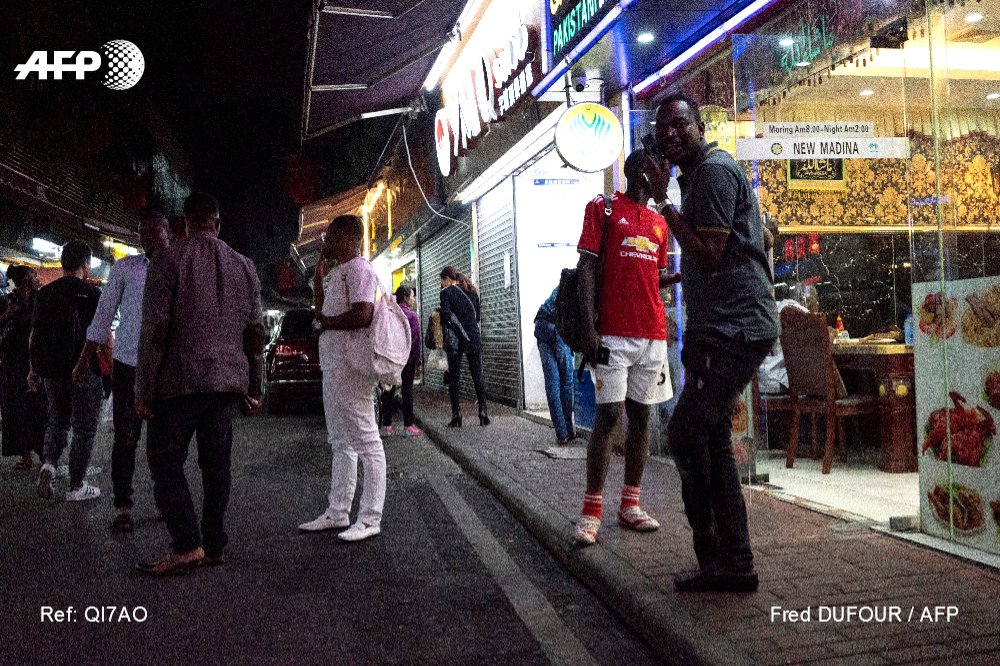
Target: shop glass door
x=822, y=125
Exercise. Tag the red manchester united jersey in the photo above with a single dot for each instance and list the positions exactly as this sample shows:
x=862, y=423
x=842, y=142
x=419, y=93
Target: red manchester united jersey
x=634, y=252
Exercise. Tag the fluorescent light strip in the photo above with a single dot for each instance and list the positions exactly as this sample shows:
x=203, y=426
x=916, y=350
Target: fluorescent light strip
x=437, y=69
x=567, y=61
x=445, y=56
x=534, y=141
x=703, y=43
x=354, y=11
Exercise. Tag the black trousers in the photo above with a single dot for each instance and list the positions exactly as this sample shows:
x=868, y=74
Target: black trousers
x=128, y=430
x=716, y=371
x=207, y=416
x=389, y=398
x=455, y=378
x=23, y=414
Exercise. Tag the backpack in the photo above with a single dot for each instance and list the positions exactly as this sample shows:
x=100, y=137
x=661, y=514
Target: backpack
x=383, y=349
x=569, y=312
x=58, y=335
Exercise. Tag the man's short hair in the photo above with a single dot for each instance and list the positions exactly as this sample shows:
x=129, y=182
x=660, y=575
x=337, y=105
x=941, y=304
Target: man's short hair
x=635, y=166
x=351, y=226
x=201, y=206
x=75, y=255
x=18, y=273
x=682, y=97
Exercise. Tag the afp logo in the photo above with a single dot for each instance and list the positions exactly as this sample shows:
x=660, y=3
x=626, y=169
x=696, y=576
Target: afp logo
x=122, y=60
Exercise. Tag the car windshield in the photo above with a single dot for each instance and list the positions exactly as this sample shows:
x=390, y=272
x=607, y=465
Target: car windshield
x=297, y=324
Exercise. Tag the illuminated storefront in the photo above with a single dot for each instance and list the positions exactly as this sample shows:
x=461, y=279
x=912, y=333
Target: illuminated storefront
x=871, y=132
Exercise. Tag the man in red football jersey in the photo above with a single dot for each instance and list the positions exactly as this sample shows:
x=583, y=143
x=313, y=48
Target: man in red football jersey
x=623, y=261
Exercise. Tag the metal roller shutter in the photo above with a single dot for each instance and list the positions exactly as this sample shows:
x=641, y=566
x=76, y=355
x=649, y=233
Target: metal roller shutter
x=499, y=294
x=452, y=246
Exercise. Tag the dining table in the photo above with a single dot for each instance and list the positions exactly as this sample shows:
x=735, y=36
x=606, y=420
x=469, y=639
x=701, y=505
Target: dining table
x=889, y=365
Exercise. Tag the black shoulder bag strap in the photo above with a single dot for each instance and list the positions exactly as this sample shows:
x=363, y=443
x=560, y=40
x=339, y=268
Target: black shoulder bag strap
x=599, y=286
x=599, y=278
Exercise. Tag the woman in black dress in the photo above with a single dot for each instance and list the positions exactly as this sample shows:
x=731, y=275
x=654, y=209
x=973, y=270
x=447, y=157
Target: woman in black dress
x=22, y=411
x=460, y=321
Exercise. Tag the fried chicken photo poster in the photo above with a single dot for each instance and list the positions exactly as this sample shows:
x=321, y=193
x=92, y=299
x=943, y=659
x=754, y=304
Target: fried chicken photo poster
x=957, y=366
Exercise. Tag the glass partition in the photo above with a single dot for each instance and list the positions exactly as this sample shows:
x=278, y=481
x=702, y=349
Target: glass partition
x=869, y=129
x=954, y=51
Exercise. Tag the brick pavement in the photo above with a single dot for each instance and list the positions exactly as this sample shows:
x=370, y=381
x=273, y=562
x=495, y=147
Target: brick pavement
x=805, y=560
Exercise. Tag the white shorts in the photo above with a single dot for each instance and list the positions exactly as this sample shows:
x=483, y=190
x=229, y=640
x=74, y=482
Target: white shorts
x=637, y=370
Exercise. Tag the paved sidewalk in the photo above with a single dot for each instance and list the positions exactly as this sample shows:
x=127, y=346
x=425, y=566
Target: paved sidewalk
x=806, y=560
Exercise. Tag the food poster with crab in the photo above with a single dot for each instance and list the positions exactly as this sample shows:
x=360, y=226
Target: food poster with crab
x=957, y=368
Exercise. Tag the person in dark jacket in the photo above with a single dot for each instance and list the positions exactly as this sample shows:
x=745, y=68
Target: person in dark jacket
x=557, y=366
x=63, y=311
x=406, y=298
x=22, y=411
x=460, y=318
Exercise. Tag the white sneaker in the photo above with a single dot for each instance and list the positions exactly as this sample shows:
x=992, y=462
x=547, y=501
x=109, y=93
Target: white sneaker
x=359, y=531
x=83, y=493
x=325, y=522
x=46, y=483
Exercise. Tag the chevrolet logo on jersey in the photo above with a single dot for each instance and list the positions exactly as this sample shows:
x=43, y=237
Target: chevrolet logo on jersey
x=641, y=243
x=643, y=248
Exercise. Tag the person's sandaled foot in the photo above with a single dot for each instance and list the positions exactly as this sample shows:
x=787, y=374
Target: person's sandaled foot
x=173, y=564
x=123, y=522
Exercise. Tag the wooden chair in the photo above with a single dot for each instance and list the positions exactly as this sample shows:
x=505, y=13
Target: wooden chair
x=814, y=383
x=764, y=404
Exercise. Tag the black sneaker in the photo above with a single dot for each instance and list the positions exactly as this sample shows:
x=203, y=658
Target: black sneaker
x=717, y=580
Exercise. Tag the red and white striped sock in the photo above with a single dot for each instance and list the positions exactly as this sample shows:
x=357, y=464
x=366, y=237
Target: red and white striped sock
x=592, y=504
x=630, y=497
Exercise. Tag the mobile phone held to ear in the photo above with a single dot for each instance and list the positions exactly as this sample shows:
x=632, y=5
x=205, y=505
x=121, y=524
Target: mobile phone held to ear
x=652, y=148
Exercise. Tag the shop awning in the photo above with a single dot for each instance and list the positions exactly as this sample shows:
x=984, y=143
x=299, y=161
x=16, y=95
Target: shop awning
x=314, y=219
x=370, y=58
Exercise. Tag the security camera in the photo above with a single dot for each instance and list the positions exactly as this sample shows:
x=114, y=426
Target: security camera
x=579, y=82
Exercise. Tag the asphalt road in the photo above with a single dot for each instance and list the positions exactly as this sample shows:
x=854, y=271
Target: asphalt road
x=452, y=579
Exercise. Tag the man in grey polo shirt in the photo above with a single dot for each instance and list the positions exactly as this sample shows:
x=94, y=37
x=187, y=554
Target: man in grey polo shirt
x=731, y=325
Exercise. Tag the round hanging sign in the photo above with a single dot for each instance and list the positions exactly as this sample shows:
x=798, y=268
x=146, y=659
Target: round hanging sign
x=589, y=137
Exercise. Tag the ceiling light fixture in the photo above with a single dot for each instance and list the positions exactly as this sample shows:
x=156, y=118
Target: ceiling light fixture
x=974, y=17
x=868, y=92
x=703, y=43
x=803, y=63
x=645, y=38
x=787, y=41
x=993, y=96
x=43, y=246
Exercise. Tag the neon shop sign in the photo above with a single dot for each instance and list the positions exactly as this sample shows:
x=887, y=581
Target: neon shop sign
x=478, y=95
x=812, y=40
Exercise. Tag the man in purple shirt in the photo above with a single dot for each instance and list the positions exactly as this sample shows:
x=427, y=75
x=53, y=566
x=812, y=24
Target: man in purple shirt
x=201, y=327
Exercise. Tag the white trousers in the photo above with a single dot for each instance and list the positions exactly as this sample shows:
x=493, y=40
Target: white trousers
x=351, y=431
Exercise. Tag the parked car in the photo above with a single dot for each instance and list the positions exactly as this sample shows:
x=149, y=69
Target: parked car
x=292, y=374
